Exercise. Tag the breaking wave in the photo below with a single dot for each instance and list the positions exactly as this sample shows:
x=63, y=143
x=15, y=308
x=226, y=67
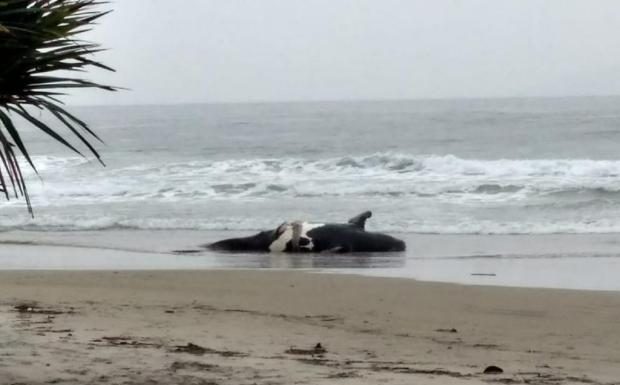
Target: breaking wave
x=416, y=193
x=72, y=180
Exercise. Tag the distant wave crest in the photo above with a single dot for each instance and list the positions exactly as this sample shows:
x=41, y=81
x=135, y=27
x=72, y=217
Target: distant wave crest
x=387, y=175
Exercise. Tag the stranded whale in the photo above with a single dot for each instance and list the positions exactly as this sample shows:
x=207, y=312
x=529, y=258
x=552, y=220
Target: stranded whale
x=300, y=236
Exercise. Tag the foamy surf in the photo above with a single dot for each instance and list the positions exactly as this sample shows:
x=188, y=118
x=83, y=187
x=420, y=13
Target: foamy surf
x=410, y=193
x=73, y=180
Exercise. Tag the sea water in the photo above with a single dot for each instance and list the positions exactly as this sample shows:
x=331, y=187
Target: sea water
x=442, y=168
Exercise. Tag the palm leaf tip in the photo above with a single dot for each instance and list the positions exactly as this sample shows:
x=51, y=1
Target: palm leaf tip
x=39, y=45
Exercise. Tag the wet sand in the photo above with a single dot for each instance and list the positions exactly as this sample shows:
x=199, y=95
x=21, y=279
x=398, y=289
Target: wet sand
x=563, y=261
x=264, y=327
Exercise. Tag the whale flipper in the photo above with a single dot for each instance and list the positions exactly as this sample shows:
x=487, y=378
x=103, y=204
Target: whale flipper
x=359, y=221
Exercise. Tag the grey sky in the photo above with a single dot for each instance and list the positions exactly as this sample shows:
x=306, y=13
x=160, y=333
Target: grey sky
x=277, y=50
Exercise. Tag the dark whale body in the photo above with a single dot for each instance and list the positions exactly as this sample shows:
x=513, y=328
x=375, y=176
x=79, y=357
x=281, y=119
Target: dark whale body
x=316, y=238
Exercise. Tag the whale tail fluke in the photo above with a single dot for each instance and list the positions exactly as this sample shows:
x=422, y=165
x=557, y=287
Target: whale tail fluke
x=359, y=221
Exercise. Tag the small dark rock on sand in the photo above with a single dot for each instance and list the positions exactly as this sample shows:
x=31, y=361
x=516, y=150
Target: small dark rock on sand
x=493, y=370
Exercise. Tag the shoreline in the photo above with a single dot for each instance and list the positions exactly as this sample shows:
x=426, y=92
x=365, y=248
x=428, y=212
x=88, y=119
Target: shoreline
x=585, y=262
x=263, y=327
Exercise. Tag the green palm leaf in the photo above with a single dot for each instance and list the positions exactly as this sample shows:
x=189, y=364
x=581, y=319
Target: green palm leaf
x=38, y=48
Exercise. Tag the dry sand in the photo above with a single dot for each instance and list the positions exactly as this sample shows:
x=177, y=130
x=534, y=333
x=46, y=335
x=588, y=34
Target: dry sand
x=262, y=327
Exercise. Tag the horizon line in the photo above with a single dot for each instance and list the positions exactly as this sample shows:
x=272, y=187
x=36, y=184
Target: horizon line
x=361, y=100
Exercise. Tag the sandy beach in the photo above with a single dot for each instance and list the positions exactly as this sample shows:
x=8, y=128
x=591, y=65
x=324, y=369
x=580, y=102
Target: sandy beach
x=309, y=192
x=282, y=327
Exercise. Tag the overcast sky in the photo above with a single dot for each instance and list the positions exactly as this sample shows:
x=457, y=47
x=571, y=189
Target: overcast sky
x=280, y=50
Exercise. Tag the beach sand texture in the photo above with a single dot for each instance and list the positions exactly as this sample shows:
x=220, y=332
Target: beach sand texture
x=263, y=327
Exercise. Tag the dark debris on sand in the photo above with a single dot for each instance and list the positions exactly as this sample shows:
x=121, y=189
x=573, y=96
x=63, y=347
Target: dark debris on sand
x=199, y=351
x=30, y=308
x=451, y=330
x=124, y=341
x=318, y=349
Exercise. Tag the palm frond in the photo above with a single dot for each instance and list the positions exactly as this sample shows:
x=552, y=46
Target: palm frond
x=38, y=47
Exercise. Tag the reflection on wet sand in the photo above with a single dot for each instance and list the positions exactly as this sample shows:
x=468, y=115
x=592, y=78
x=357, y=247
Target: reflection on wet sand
x=311, y=261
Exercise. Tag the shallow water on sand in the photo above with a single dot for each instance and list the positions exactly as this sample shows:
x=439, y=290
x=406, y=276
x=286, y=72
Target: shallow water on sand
x=585, y=261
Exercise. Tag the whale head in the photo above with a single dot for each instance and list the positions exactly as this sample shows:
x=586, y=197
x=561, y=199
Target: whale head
x=289, y=236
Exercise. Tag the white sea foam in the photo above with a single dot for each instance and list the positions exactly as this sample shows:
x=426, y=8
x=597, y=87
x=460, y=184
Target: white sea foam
x=416, y=193
x=72, y=180
x=249, y=225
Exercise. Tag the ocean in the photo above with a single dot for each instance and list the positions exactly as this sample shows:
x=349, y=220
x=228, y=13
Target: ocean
x=517, y=168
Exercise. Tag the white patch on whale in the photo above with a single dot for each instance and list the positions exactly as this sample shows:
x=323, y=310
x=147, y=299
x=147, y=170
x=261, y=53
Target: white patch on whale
x=279, y=245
